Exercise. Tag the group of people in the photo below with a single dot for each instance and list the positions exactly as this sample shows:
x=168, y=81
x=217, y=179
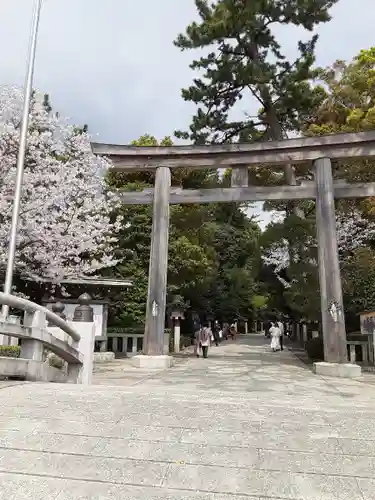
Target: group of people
x=205, y=336
x=276, y=332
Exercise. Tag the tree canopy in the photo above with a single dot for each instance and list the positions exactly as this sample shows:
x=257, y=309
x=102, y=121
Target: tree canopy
x=66, y=226
x=213, y=250
x=247, y=90
x=244, y=61
x=347, y=106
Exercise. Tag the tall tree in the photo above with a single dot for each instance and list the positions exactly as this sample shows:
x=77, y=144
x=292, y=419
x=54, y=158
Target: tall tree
x=247, y=90
x=233, y=238
x=244, y=64
x=213, y=250
x=66, y=226
x=348, y=105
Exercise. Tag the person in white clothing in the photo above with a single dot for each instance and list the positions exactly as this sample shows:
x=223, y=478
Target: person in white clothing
x=281, y=326
x=275, y=333
x=204, y=339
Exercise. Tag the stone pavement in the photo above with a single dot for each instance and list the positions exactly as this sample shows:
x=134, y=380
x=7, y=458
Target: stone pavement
x=244, y=424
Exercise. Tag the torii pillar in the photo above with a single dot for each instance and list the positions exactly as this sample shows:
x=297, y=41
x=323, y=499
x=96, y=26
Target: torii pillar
x=153, y=355
x=332, y=309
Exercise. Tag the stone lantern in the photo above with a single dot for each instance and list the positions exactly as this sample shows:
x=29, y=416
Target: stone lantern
x=245, y=320
x=177, y=315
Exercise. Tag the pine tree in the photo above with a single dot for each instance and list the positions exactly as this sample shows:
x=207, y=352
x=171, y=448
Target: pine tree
x=245, y=63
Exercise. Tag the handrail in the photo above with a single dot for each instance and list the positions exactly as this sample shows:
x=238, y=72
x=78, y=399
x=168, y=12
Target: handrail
x=27, y=305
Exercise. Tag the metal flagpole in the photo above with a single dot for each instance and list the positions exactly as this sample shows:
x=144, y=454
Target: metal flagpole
x=21, y=153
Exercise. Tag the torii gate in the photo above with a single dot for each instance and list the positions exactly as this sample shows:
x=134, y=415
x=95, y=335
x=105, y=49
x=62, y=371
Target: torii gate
x=316, y=150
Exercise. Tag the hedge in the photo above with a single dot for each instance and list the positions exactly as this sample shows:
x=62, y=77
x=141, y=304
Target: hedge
x=14, y=351
x=10, y=351
x=134, y=330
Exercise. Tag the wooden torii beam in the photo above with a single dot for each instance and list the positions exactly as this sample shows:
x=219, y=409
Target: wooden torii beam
x=301, y=150
x=319, y=151
x=304, y=191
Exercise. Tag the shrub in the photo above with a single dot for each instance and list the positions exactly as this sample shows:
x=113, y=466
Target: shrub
x=10, y=351
x=52, y=359
x=14, y=351
x=315, y=349
x=55, y=361
x=130, y=330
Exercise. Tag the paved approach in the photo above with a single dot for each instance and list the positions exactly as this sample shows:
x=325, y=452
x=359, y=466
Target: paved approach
x=243, y=424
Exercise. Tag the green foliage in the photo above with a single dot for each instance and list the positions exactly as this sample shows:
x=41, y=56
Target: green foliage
x=213, y=251
x=302, y=292
x=244, y=62
x=358, y=276
x=242, y=68
x=349, y=101
x=10, y=351
x=235, y=241
x=348, y=106
x=259, y=302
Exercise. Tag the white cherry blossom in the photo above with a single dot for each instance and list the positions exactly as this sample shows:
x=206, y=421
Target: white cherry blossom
x=353, y=231
x=65, y=227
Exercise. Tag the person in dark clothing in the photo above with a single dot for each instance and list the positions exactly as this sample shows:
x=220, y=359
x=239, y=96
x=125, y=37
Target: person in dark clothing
x=225, y=331
x=204, y=338
x=215, y=333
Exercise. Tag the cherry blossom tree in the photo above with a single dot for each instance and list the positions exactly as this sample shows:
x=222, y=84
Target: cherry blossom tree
x=66, y=227
x=353, y=231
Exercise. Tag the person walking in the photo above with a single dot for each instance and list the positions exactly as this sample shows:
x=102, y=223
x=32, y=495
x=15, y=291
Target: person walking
x=281, y=326
x=197, y=340
x=205, y=334
x=233, y=331
x=225, y=331
x=275, y=337
x=215, y=333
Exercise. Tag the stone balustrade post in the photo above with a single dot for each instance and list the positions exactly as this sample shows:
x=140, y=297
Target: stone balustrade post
x=31, y=348
x=83, y=322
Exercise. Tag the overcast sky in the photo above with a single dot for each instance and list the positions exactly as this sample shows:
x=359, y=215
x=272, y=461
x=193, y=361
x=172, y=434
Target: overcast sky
x=111, y=63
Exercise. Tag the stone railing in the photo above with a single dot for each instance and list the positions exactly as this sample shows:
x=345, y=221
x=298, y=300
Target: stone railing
x=125, y=343
x=43, y=329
